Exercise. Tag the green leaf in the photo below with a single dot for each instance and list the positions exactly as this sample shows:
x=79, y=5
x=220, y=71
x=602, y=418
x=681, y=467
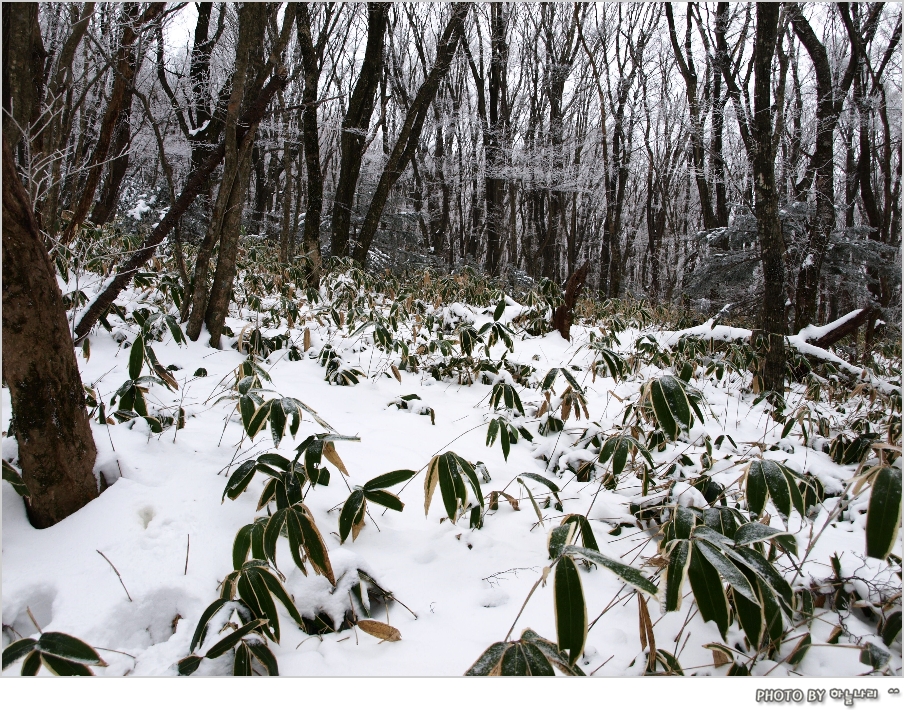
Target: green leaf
x=241, y=665
x=389, y=479
x=883, y=517
x=550, y=378
x=708, y=591
x=189, y=664
x=63, y=666
x=541, y=479
x=239, y=480
x=763, y=569
x=274, y=585
x=670, y=404
x=551, y=651
x=201, y=630
x=750, y=533
x=229, y=641
x=384, y=498
x=570, y=609
x=683, y=523
x=537, y=663
x=136, y=358
x=779, y=487
x=350, y=510
x=264, y=655
x=757, y=490
x=259, y=419
x=559, y=538
x=271, y=533
x=679, y=560
x=800, y=650
x=587, y=537
x=14, y=478
x=500, y=309
x=872, y=655
x=16, y=650
x=68, y=647
x=514, y=663
x=626, y=573
x=772, y=612
x=175, y=329
x=573, y=382
x=489, y=661
x=891, y=627
x=726, y=569
x=447, y=486
x=247, y=407
x=750, y=615
x=275, y=460
x=253, y=591
x=277, y=422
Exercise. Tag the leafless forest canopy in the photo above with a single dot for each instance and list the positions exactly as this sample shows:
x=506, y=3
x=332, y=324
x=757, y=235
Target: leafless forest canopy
x=523, y=139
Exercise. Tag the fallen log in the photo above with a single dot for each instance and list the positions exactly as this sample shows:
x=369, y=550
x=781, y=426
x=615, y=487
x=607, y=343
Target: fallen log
x=193, y=186
x=826, y=335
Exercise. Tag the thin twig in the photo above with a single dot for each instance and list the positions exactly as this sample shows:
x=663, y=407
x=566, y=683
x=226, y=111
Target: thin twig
x=33, y=620
x=117, y=574
x=187, y=548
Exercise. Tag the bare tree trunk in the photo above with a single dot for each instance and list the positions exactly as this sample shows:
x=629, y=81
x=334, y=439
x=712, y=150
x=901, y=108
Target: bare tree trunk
x=193, y=186
x=311, y=58
x=125, y=68
x=411, y=129
x=354, y=128
x=829, y=103
x=56, y=448
x=23, y=69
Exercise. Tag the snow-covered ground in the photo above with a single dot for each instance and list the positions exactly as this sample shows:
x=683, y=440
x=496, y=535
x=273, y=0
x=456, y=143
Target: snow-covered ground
x=162, y=524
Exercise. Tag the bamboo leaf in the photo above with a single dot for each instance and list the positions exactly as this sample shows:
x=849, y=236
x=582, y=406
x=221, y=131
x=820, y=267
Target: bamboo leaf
x=384, y=498
x=136, y=358
x=570, y=609
x=389, y=479
x=349, y=512
x=883, y=517
x=679, y=560
x=626, y=573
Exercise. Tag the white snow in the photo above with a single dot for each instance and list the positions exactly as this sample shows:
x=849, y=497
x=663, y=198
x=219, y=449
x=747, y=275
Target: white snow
x=466, y=586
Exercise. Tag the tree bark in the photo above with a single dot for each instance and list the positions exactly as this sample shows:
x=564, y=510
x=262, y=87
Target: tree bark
x=829, y=103
x=193, y=186
x=411, y=130
x=125, y=69
x=354, y=128
x=56, y=448
x=23, y=69
x=769, y=228
x=310, y=136
x=564, y=314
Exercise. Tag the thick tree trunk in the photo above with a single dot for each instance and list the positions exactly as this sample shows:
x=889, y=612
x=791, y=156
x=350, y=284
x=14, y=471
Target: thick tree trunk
x=56, y=448
x=410, y=133
x=769, y=228
x=354, y=128
x=23, y=69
